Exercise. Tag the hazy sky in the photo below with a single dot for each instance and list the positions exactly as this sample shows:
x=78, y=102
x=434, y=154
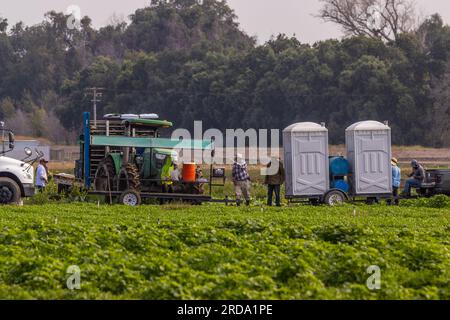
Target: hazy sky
x=262, y=18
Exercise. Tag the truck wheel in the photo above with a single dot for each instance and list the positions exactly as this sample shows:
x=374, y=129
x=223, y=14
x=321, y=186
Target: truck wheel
x=9, y=191
x=130, y=198
x=334, y=198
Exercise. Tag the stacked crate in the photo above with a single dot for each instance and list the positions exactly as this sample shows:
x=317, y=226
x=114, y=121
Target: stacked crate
x=112, y=128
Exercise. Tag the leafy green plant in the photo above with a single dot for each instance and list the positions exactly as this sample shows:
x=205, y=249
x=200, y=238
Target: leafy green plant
x=438, y=201
x=218, y=252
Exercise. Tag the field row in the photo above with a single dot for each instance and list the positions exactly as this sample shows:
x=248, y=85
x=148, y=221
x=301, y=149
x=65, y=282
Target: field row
x=218, y=252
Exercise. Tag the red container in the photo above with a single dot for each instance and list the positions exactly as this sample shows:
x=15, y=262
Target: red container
x=189, y=170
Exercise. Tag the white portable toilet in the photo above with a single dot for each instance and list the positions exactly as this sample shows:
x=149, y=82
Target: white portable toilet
x=306, y=160
x=369, y=153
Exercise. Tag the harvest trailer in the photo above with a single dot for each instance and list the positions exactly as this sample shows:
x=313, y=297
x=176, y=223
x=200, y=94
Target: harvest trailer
x=124, y=157
x=311, y=174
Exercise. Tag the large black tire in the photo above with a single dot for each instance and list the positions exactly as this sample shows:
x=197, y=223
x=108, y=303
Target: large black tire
x=104, y=177
x=130, y=198
x=9, y=191
x=129, y=178
x=334, y=198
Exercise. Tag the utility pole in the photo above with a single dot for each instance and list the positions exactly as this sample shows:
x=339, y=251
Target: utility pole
x=2, y=125
x=96, y=97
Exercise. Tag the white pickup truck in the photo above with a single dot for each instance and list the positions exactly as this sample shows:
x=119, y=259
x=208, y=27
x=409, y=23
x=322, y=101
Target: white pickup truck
x=16, y=177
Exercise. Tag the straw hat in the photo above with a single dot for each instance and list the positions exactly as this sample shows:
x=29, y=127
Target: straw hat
x=240, y=158
x=394, y=161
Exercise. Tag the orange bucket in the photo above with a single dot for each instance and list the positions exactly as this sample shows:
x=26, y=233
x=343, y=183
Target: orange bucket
x=189, y=172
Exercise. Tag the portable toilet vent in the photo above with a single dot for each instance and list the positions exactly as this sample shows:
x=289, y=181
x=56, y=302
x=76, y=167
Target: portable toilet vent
x=306, y=160
x=369, y=153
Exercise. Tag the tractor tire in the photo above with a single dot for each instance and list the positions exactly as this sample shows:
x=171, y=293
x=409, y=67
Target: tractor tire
x=130, y=198
x=334, y=198
x=104, y=177
x=9, y=191
x=129, y=178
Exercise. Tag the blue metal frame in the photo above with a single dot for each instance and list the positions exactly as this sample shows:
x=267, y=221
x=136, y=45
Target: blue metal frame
x=87, y=144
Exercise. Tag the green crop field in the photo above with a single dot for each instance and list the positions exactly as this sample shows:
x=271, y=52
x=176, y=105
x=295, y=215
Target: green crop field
x=218, y=252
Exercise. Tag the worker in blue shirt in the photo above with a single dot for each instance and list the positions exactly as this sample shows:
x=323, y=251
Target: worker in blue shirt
x=396, y=180
x=42, y=175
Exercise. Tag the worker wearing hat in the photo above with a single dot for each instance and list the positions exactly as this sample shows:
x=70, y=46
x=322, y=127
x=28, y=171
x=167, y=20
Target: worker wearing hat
x=396, y=180
x=416, y=178
x=241, y=180
x=42, y=175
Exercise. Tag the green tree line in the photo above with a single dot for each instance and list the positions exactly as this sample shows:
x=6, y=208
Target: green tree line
x=189, y=61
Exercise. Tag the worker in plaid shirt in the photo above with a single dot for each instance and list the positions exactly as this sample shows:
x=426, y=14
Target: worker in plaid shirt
x=241, y=180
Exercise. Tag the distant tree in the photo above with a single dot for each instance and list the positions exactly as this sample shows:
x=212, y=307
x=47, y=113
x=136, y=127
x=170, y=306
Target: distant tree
x=184, y=24
x=19, y=122
x=435, y=39
x=188, y=60
x=7, y=108
x=439, y=118
x=3, y=24
x=385, y=19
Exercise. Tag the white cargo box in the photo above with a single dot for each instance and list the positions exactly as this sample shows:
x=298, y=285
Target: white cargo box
x=369, y=153
x=306, y=160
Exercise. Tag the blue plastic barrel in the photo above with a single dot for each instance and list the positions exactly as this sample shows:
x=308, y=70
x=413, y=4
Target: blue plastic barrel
x=341, y=185
x=339, y=166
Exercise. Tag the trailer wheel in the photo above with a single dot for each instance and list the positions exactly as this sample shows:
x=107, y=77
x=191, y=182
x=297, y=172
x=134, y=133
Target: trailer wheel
x=334, y=198
x=9, y=191
x=130, y=198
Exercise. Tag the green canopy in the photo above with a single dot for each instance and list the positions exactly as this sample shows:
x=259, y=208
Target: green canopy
x=122, y=141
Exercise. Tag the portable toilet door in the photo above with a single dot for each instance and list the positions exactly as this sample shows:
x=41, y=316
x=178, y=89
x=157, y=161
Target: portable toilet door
x=306, y=160
x=369, y=153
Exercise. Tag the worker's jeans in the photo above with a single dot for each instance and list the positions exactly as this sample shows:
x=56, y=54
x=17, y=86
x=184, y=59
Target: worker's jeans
x=411, y=183
x=271, y=188
x=242, y=188
x=395, y=197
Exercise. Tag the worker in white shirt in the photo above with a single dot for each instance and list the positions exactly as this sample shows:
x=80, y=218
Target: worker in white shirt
x=175, y=174
x=42, y=175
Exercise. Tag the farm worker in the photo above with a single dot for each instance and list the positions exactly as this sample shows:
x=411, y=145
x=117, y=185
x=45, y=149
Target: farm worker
x=241, y=180
x=42, y=175
x=175, y=177
x=274, y=179
x=166, y=172
x=416, y=178
x=175, y=173
x=166, y=179
x=199, y=186
x=199, y=177
x=396, y=179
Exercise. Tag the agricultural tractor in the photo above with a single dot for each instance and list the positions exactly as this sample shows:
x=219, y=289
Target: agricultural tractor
x=16, y=177
x=124, y=157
